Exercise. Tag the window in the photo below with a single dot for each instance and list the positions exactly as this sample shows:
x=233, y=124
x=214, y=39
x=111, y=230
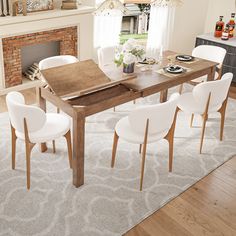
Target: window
x=135, y=25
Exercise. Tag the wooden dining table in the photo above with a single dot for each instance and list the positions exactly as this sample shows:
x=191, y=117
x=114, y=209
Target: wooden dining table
x=81, y=89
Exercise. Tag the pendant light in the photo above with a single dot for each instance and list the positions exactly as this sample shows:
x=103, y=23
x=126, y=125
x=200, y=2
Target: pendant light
x=111, y=7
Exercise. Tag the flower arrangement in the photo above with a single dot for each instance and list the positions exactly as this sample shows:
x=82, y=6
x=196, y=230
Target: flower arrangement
x=130, y=52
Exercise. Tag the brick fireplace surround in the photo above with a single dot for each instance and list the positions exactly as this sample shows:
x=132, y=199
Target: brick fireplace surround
x=12, y=49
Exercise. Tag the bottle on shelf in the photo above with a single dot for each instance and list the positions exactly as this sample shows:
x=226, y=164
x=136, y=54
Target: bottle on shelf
x=225, y=33
x=231, y=25
x=219, y=27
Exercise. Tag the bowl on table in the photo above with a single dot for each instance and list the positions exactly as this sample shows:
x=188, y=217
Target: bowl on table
x=184, y=58
x=174, y=69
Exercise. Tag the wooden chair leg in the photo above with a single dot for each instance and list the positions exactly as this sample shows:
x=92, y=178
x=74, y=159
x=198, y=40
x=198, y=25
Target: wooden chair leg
x=222, y=123
x=53, y=146
x=28, y=148
x=203, y=132
x=143, y=165
x=171, y=151
x=53, y=141
x=191, y=122
x=205, y=118
x=144, y=155
x=170, y=138
x=13, y=147
x=114, y=148
x=69, y=147
x=140, y=148
x=181, y=88
x=222, y=111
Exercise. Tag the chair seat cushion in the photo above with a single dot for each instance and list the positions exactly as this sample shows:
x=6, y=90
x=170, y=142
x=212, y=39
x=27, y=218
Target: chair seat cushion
x=56, y=126
x=124, y=131
x=204, y=78
x=188, y=104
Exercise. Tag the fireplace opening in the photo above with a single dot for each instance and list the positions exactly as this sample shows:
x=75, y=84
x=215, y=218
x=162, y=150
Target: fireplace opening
x=31, y=55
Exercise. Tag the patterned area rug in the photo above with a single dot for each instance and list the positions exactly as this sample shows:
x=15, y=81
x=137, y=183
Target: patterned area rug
x=110, y=202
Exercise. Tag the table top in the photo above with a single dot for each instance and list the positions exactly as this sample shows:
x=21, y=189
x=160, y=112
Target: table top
x=146, y=79
x=104, y=90
x=78, y=78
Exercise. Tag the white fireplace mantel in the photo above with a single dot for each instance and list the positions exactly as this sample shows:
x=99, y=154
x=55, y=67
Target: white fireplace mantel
x=48, y=20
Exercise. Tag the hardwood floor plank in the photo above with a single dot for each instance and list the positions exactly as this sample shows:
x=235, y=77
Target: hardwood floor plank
x=191, y=218
x=223, y=216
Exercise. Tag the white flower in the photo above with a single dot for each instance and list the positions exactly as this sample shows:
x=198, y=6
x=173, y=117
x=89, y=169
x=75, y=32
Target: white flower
x=129, y=58
x=129, y=45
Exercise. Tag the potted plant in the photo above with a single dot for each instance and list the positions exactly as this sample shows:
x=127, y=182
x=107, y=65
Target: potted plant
x=129, y=53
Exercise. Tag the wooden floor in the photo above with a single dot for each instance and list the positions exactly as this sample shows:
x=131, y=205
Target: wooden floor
x=206, y=208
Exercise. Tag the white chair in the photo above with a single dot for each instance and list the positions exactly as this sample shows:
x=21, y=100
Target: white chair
x=210, y=53
x=147, y=125
x=31, y=124
x=206, y=98
x=55, y=61
x=106, y=56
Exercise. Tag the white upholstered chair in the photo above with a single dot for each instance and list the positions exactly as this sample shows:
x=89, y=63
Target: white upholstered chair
x=33, y=125
x=106, y=56
x=210, y=53
x=148, y=124
x=55, y=61
x=206, y=98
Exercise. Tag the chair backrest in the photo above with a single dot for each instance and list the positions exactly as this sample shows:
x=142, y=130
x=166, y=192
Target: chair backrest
x=56, y=61
x=35, y=117
x=160, y=116
x=218, y=88
x=106, y=56
x=210, y=53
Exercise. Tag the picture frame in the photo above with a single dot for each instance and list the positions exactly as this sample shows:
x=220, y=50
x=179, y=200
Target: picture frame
x=36, y=6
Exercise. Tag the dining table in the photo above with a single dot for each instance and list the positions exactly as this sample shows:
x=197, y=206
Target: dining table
x=82, y=89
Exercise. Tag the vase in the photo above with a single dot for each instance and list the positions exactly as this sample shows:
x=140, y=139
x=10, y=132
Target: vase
x=128, y=69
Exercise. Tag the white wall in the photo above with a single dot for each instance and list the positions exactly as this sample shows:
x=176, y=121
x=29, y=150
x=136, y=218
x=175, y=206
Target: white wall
x=189, y=22
x=217, y=8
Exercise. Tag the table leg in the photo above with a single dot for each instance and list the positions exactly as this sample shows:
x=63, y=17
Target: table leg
x=211, y=74
x=42, y=104
x=163, y=95
x=78, y=150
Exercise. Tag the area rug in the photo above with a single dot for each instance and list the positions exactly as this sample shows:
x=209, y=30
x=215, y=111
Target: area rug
x=109, y=203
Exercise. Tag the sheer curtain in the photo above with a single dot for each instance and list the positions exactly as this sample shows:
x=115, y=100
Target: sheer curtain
x=160, y=28
x=107, y=27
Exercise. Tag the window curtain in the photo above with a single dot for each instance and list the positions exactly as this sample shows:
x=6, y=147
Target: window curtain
x=160, y=29
x=107, y=28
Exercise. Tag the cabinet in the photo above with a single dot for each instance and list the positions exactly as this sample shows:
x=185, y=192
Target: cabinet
x=229, y=64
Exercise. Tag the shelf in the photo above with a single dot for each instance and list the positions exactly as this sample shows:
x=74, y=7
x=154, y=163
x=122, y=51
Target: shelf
x=36, y=16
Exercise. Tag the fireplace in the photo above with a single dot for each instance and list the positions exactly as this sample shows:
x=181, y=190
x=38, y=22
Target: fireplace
x=12, y=49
